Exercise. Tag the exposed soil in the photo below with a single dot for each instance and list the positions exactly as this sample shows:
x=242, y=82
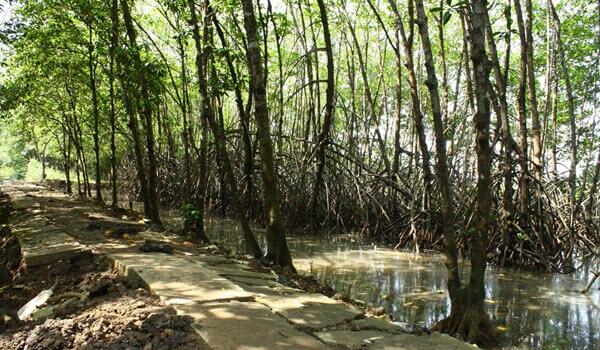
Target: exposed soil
x=118, y=314
x=106, y=310
x=10, y=252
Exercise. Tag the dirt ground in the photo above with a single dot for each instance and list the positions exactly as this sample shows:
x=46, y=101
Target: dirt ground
x=105, y=309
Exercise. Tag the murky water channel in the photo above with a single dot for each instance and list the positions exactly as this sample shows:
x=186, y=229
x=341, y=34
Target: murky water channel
x=532, y=311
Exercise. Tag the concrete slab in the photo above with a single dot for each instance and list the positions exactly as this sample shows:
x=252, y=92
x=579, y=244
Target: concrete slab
x=375, y=324
x=29, y=221
x=246, y=326
x=310, y=310
x=381, y=340
x=251, y=281
x=178, y=279
x=351, y=339
x=435, y=341
x=42, y=243
x=107, y=221
x=264, y=291
x=239, y=270
x=25, y=203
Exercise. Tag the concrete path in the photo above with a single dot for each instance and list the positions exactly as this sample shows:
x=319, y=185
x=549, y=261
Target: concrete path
x=41, y=242
x=233, y=305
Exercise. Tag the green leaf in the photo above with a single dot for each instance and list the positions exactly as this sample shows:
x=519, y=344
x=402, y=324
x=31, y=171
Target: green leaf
x=447, y=16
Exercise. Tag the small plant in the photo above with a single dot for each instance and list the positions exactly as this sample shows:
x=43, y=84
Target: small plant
x=190, y=215
x=522, y=236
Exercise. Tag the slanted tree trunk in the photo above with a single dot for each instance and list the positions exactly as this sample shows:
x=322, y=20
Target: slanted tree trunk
x=217, y=128
x=323, y=139
x=244, y=121
x=146, y=111
x=277, y=248
x=397, y=112
x=571, y=103
x=281, y=81
x=398, y=108
x=508, y=144
x=442, y=173
x=77, y=138
x=374, y=111
x=417, y=113
x=440, y=24
x=187, y=159
x=594, y=188
x=121, y=64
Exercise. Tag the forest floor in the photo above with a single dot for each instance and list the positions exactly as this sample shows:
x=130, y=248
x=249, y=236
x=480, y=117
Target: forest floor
x=117, y=284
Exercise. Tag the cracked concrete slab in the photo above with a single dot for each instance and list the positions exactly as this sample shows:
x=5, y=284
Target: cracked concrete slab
x=178, y=279
x=376, y=324
x=246, y=326
x=239, y=270
x=310, y=310
x=381, y=340
x=42, y=243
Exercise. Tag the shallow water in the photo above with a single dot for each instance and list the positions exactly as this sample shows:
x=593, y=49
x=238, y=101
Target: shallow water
x=530, y=310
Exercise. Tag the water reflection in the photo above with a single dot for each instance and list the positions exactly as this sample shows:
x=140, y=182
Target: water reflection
x=532, y=311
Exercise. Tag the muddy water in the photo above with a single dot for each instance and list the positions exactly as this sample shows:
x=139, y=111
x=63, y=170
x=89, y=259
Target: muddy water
x=531, y=311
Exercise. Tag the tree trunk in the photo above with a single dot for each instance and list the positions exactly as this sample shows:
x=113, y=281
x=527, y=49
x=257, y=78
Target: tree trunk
x=594, y=188
x=479, y=241
x=442, y=173
x=522, y=113
x=441, y=23
x=571, y=103
x=323, y=139
x=153, y=213
x=536, y=154
x=373, y=108
x=217, y=128
x=95, y=112
x=66, y=146
x=468, y=317
x=244, y=121
x=507, y=140
x=407, y=40
x=417, y=113
x=277, y=249
x=114, y=40
x=121, y=63
x=187, y=161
